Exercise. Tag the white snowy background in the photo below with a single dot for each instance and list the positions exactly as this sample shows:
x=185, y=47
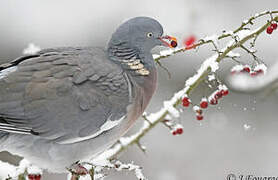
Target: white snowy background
x=237, y=136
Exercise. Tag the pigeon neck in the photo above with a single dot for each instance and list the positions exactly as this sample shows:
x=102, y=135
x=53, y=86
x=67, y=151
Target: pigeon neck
x=134, y=61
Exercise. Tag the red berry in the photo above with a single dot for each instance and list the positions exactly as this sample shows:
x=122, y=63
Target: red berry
x=273, y=26
x=174, y=133
x=38, y=177
x=199, y=117
x=246, y=69
x=31, y=177
x=218, y=95
x=34, y=176
x=179, y=131
x=225, y=92
x=213, y=101
x=189, y=41
x=204, y=104
x=222, y=91
x=269, y=30
x=185, y=102
x=253, y=73
x=259, y=71
x=174, y=44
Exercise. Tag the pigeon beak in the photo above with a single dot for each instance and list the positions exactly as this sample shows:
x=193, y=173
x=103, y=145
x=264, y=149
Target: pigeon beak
x=168, y=41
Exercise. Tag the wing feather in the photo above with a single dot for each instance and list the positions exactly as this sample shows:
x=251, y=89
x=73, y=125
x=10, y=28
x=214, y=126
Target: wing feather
x=66, y=94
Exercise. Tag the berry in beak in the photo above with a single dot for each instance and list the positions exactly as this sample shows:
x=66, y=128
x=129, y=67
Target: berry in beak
x=169, y=41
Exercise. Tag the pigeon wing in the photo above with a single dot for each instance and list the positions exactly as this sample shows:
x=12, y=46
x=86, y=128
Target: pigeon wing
x=67, y=94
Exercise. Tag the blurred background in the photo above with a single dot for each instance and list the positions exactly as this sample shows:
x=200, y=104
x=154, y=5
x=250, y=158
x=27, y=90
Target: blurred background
x=239, y=135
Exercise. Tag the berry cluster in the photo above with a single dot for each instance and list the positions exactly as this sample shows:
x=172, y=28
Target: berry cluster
x=260, y=69
x=176, y=129
x=34, y=176
x=213, y=100
x=218, y=94
x=271, y=28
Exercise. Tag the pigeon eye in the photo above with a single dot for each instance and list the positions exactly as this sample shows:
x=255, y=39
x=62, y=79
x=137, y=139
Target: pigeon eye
x=149, y=34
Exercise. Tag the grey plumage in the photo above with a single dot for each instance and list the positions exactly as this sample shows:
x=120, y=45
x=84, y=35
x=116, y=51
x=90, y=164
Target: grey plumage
x=66, y=104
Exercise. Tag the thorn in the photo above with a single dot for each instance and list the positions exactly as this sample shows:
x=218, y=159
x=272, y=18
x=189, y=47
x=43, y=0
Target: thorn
x=164, y=68
x=168, y=123
x=141, y=147
x=144, y=116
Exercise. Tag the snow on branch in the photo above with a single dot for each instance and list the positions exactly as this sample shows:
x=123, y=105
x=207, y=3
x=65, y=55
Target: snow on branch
x=20, y=172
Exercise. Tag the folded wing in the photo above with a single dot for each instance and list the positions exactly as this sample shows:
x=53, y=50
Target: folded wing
x=67, y=94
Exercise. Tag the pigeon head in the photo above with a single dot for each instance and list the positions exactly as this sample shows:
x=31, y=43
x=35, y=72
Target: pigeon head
x=141, y=34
